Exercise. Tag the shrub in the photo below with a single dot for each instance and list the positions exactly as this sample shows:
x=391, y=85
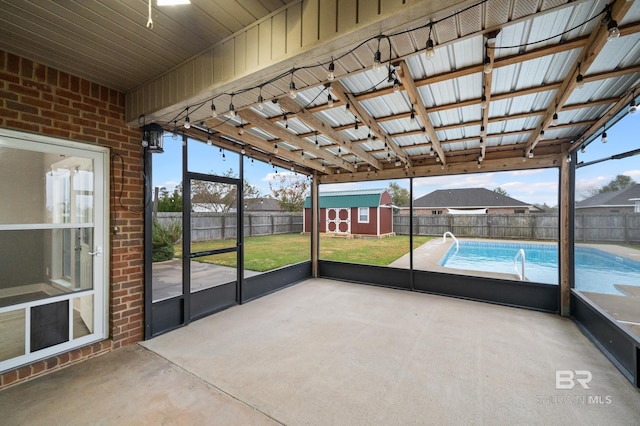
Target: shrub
x=163, y=239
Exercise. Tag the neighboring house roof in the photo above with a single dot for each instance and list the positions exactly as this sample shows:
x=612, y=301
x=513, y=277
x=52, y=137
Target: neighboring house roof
x=466, y=198
x=622, y=198
x=347, y=199
x=262, y=204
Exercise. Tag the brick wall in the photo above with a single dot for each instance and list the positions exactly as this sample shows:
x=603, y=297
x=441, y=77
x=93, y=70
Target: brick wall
x=38, y=99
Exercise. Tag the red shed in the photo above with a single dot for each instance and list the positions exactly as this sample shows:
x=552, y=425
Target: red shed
x=363, y=212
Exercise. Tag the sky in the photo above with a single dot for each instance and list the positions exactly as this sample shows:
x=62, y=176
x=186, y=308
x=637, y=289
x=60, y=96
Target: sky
x=530, y=186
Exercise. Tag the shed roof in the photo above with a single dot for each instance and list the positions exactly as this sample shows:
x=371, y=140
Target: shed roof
x=347, y=199
x=466, y=198
x=622, y=198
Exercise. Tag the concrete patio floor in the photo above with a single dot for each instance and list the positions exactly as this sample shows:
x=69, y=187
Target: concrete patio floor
x=326, y=352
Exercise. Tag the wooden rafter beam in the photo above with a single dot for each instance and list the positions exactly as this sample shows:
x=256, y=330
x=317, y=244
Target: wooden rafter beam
x=315, y=123
x=231, y=131
x=623, y=102
x=285, y=135
x=357, y=109
x=594, y=45
x=418, y=106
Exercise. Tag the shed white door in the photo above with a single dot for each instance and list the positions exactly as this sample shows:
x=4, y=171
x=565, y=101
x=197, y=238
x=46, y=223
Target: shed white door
x=339, y=221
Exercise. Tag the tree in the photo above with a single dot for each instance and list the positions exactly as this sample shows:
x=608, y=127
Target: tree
x=290, y=190
x=399, y=196
x=620, y=182
x=501, y=191
x=170, y=202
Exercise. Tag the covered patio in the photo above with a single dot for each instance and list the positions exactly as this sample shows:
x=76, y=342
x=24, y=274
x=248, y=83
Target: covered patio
x=328, y=352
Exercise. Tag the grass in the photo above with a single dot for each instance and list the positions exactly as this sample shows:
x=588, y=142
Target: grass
x=274, y=251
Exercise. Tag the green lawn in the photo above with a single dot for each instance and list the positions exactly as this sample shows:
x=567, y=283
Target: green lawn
x=274, y=251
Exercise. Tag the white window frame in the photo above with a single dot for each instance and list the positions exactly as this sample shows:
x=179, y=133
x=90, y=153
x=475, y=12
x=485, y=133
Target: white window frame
x=360, y=209
x=100, y=291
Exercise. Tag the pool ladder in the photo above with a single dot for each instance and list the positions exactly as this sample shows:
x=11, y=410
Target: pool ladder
x=444, y=239
x=522, y=262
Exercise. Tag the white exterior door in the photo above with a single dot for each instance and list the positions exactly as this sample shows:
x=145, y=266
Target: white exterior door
x=53, y=246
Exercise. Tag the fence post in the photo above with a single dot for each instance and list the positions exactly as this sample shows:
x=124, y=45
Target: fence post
x=626, y=228
x=273, y=226
x=250, y=226
x=222, y=227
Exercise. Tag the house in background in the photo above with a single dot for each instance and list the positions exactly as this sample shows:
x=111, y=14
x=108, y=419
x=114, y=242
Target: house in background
x=623, y=201
x=262, y=205
x=360, y=213
x=468, y=201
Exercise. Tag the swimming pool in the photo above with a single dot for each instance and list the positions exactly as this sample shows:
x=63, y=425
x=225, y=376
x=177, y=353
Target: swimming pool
x=595, y=270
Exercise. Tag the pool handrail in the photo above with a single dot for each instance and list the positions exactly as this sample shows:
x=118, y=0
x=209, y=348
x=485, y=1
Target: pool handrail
x=444, y=239
x=522, y=261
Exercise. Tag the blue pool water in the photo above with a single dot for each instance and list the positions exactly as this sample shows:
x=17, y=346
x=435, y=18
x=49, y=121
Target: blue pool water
x=595, y=270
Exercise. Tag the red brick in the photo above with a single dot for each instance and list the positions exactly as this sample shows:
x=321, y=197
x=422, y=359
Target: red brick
x=24, y=372
x=9, y=377
x=38, y=367
x=63, y=358
x=26, y=68
x=13, y=63
x=52, y=76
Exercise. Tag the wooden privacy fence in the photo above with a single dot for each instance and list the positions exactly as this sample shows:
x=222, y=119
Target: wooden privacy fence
x=222, y=226
x=615, y=228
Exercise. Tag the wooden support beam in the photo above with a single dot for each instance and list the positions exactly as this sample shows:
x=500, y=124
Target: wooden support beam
x=251, y=140
x=331, y=133
x=282, y=133
x=593, y=46
x=356, y=108
x=418, y=106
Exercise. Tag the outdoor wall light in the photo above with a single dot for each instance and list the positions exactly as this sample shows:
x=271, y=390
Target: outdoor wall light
x=152, y=137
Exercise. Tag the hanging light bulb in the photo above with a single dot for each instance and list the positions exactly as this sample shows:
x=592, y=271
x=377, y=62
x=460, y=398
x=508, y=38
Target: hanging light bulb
x=293, y=92
x=430, y=51
x=541, y=134
x=531, y=153
x=554, y=121
x=604, y=137
x=339, y=152
x=331, y=75
x=483, y=102
x=187, y=121
x=286, y=123
x=232, y=110
x=175, y=130
x=377, y=60
x=479, y=163
x=412, y=119
x=568, y=158
x=356, y=125
x=524, y=158
x=633, y=107
x=583, y=149
x=275, y=148
x=488, y=66
x=579, y=81
x=396, y=85
x=431, y=151
x=317, y=143
x=214, y=113
x=369, y=138
x=260, y=102
x=209, y=140
x=613, y=32
x=347, y=107
x=243, y=151
x=241, y=130
x=330, y=100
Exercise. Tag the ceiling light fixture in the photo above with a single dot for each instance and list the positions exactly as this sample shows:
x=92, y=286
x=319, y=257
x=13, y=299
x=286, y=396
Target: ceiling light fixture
x=173, y=2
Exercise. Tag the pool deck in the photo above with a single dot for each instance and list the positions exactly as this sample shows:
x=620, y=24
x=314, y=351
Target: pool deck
x=625, y=308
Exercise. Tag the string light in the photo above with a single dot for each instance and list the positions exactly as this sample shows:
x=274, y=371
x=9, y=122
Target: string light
x=293, y=92
x=232, y=109
x=412, y=120
x=568, y=158
x=541, y=134
x=531, y=153
x=604, y=137
x=331, y=75
x=554, y=121
x=175, y=130
x=377, y=58
x=260, y=101
x=431, y=151
x=429, y=49
x=396, y=85
x=286, y=122
x=275, y=148
x=583, y=149
x=330, y=100
x=209, y=139
x=241, y=130
x=187, y=121
x=483, y=102
x=243, y=151
x=317, y=143
x=488, y=66
x=633, y=107
x=214, y=113
x=613, y=32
